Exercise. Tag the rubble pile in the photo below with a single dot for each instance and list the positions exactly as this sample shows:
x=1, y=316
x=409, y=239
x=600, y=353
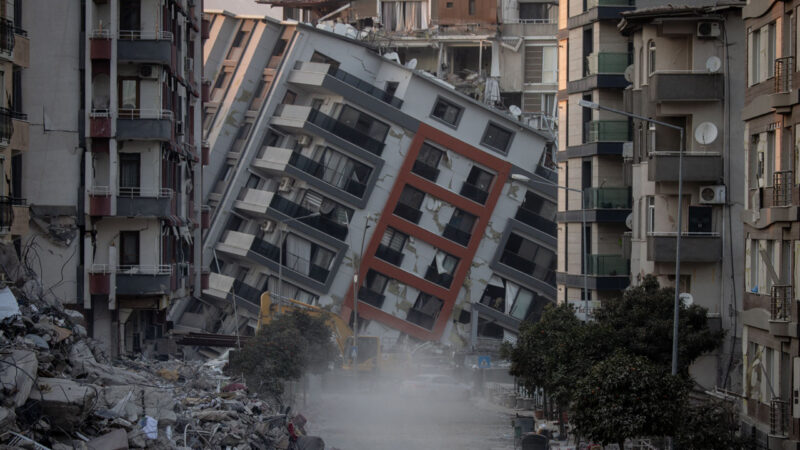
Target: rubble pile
x=58, y=390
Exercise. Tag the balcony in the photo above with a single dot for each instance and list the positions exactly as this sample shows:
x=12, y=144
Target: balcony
x=781, y=303
x=6, y=214
x=695, y=247
x=273, y=160
x=321, y=223
x=782, y=188
x=99, y=201
x=319, y=171
x=783, y=97
x=100, y=123
x=371, y=297
x=606, y=63
x=345, y=132
x=421, y=319
x=456, y=235
x=607, y=198
x=6, y=126
x=267, y=250
x=100, y=45
x=697, y=166
x=607, y=265
x=529, y=27
x=686, y=86
x=144, y=124
x=246, y=292
x=7, y=37
x=365, y=87
x=442, y=279
x=606, y=131
x=473, y=193
x=528, y=267
x=143, y=279
x=389, y=255
x=138, y=46
x=138, y=202
x=425, y=171
x=778, y=418
x=534, y=220
x=408, y=212
x=254, y=202
x=21, y=218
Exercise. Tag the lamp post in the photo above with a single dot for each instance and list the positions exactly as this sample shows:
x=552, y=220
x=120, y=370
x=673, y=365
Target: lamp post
x=280, y=250
x=585, y=250
x=593, y=105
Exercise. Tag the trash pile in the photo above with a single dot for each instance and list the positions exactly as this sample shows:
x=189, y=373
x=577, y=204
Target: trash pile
x=58, y=390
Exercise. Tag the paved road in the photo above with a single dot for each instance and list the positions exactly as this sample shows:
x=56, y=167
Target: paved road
x=378, y=421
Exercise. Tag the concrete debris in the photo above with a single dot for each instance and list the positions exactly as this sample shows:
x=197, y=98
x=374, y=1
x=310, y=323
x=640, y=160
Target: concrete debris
x=59, y=390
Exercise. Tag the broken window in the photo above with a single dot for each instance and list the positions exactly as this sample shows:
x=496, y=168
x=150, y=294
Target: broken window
x=447, y=112
x=344, y=173
x=404, y=16
x=441, y=269
x=371, y=292
x=497, y=137
x=459, y=229
x=425, y=311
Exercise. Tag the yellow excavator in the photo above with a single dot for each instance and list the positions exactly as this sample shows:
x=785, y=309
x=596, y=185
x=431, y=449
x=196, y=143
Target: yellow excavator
x=369, y=357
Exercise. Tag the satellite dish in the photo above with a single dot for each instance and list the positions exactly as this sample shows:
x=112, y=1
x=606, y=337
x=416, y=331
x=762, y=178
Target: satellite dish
x=629, y=74
x=713, y=64
x=515, y=111
x=705, y=133
x=350, y=31
x=686, y=298
x=392, y=56
x=629, y=221
x=412, y=63
x=326, y=208
x=340, y=29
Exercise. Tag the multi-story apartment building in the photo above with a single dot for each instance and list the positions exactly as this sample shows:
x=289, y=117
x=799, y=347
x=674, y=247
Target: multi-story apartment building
x=593, y=189
x=120, y=133
x=687, y=62
x=770, y=343
x=351, y=163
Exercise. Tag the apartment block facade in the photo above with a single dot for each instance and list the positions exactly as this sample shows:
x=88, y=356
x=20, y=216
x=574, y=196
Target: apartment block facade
x=339, y=169
x=770, y=345
x=117, y=226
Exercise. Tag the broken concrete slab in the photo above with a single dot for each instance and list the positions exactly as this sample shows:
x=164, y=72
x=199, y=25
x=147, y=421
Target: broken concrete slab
x=8, y=304
x=111, y=376
x=17, y=374
x=66, y=402
x=115, y=440
x=7, y=418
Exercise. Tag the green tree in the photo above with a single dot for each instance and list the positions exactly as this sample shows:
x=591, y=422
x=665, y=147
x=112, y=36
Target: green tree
x=626, y=396
x=710, y=424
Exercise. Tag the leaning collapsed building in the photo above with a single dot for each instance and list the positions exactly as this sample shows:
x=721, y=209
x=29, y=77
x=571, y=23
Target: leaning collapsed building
x=322, y=150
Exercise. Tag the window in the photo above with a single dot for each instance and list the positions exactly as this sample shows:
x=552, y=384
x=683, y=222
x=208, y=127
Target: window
x=128, y=248
x=344, y=173
x=459, y=229
x=259, y=95
x=221, y=80
x=541, y=63
x=471, y=7
x=476, y=187
x=372, y=290
x=761, y=53
x=539, y=103
x=449, y=5
x=700, y=219
x=651, y=57
x=241, y=137
x=130, y=15
x=770, y=29
x=391, y=246
x=129, y=93
x=538, y=212
x=754, y=56
x=318, y=57
x=427, y=162
x=391, y=88
x=447, y=112
x=403, y=15
x=408, y=207
x=289, y=98
x=651, y=214
x=364, y=123
x=497, y=138
x=529, y=257
x=130, y=173
x=441, y=269
x=425, y=311
x=537, y=12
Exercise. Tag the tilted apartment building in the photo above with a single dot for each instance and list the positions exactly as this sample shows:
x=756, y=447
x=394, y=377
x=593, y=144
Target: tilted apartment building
x=116, y=192
x=407, y=182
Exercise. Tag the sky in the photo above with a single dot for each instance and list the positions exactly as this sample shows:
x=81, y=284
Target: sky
x=244, y=7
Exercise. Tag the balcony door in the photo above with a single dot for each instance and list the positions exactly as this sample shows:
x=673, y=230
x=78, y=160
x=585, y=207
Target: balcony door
x=128, y=92
x=130, y=15
x=700, y=219
x=130, y=166
x=128, y=248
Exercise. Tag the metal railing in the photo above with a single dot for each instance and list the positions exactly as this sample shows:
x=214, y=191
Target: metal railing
x=104, y=191
x=407, y=212
x=609, y=265
x=246, y=292
x=425, y=170
x=99, y=113
x=595, y=3
x=6, y=124
x=146, y=113
x=546, y=21
x=442, y=279
x=606, y=63
x=136, y=35
x=322, y=223
x=607, y=198
x=781, y=303
x=144, y=192
x=318, y=170
x=784, y=68
x=371, y=297
x=100, y=34
x=421, y=319
x=389, y=255
x=533, y=219
x=606, y=131
x=473, y=193
x=133, y=269
x=782, y=188
x=345, y=132
x=527, y=266
x=265, y=249
x=546, y=173
x=6, y=214
x=683, y=233
x=778, y=417
x=456, y=235
x=365, y=86
x=7, y=35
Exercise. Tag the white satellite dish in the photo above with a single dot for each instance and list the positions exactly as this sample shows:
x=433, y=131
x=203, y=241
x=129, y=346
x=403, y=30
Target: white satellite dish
x=705, y=133
x=686, y=298
x=629, y=221
x=515, y=111
x=629, y=74
x=392, y=56
x=713, y=64
x=340, y=29
x=351, y=31
x=412, y=63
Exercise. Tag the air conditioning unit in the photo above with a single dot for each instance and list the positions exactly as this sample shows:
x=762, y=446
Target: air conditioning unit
x=188, y=64
x=179, y=127
x=303, y=140
x=708, y=30
x=148, y=71
x=712, y=194
x=627, y=150
x=268, y=227
x=286, y=184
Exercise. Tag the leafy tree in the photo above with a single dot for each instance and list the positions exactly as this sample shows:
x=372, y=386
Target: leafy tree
x=283, y=350
x=710, y=424
x=626, y=396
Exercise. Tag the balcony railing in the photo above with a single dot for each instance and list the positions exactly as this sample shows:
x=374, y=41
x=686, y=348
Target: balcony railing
x=782, y=188
x=265, y=249
x=371, y=297
x=318, y=170
x=546, y=173
x=7, y=38
x=421, y=319
x=474, y=193
x=246, y=292
x=606, y=63
x=137, y=35
x=607, y=198
x=607, y=265
x=345, y=132
x=533, y=219
x=146, y=113
x=322, y=223
x=606, y=131
x=365, y=86
x=425, y=171
x=595, y=3
x=305, y=267
x=442, y=279
x=6, y=214
x=778, y=417
x=456, y=235
x=134, y=192
x=527, y=266
x=6, y=124
x=389, y=255
x=781, y=303
x=784, y=68
x=307, y=165
x=408, y=212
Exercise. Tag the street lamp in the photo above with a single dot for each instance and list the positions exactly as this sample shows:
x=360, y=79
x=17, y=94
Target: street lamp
x=527, y=179
x=280, y=250
x=593, y=105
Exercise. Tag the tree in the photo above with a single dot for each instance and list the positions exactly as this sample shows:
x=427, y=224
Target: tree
x=283, y=350
x=710, y=424
x=626, y=396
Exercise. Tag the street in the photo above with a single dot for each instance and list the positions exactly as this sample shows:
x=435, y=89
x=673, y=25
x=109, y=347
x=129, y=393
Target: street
x=391, y=421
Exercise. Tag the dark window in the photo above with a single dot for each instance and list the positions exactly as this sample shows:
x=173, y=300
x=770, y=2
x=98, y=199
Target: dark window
x=317, y=103
x=129, y=171
x=480, y=178
x=447, y=112
x=412, y=197
x=459, y=229
x=130, y=15
x=237, y=41
x=449, y=4
x=425, y=311
x=16, y=99
x=496, y=137
x=129, y=248
x=391, y=88
x=530, y=258
x=16, y=176
x=318, y=57
x=128, y=93
x=18, y=13
x=533, y=11
x=471, y=7
x=345, y=173
x=280, y=47
x=394, y=239
x=221, y=80
x=427, y=162
x=364, y=123
x=700, y=219
x=234, y=222
x=441, y=269
x=289, y=98
x=376, y=282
